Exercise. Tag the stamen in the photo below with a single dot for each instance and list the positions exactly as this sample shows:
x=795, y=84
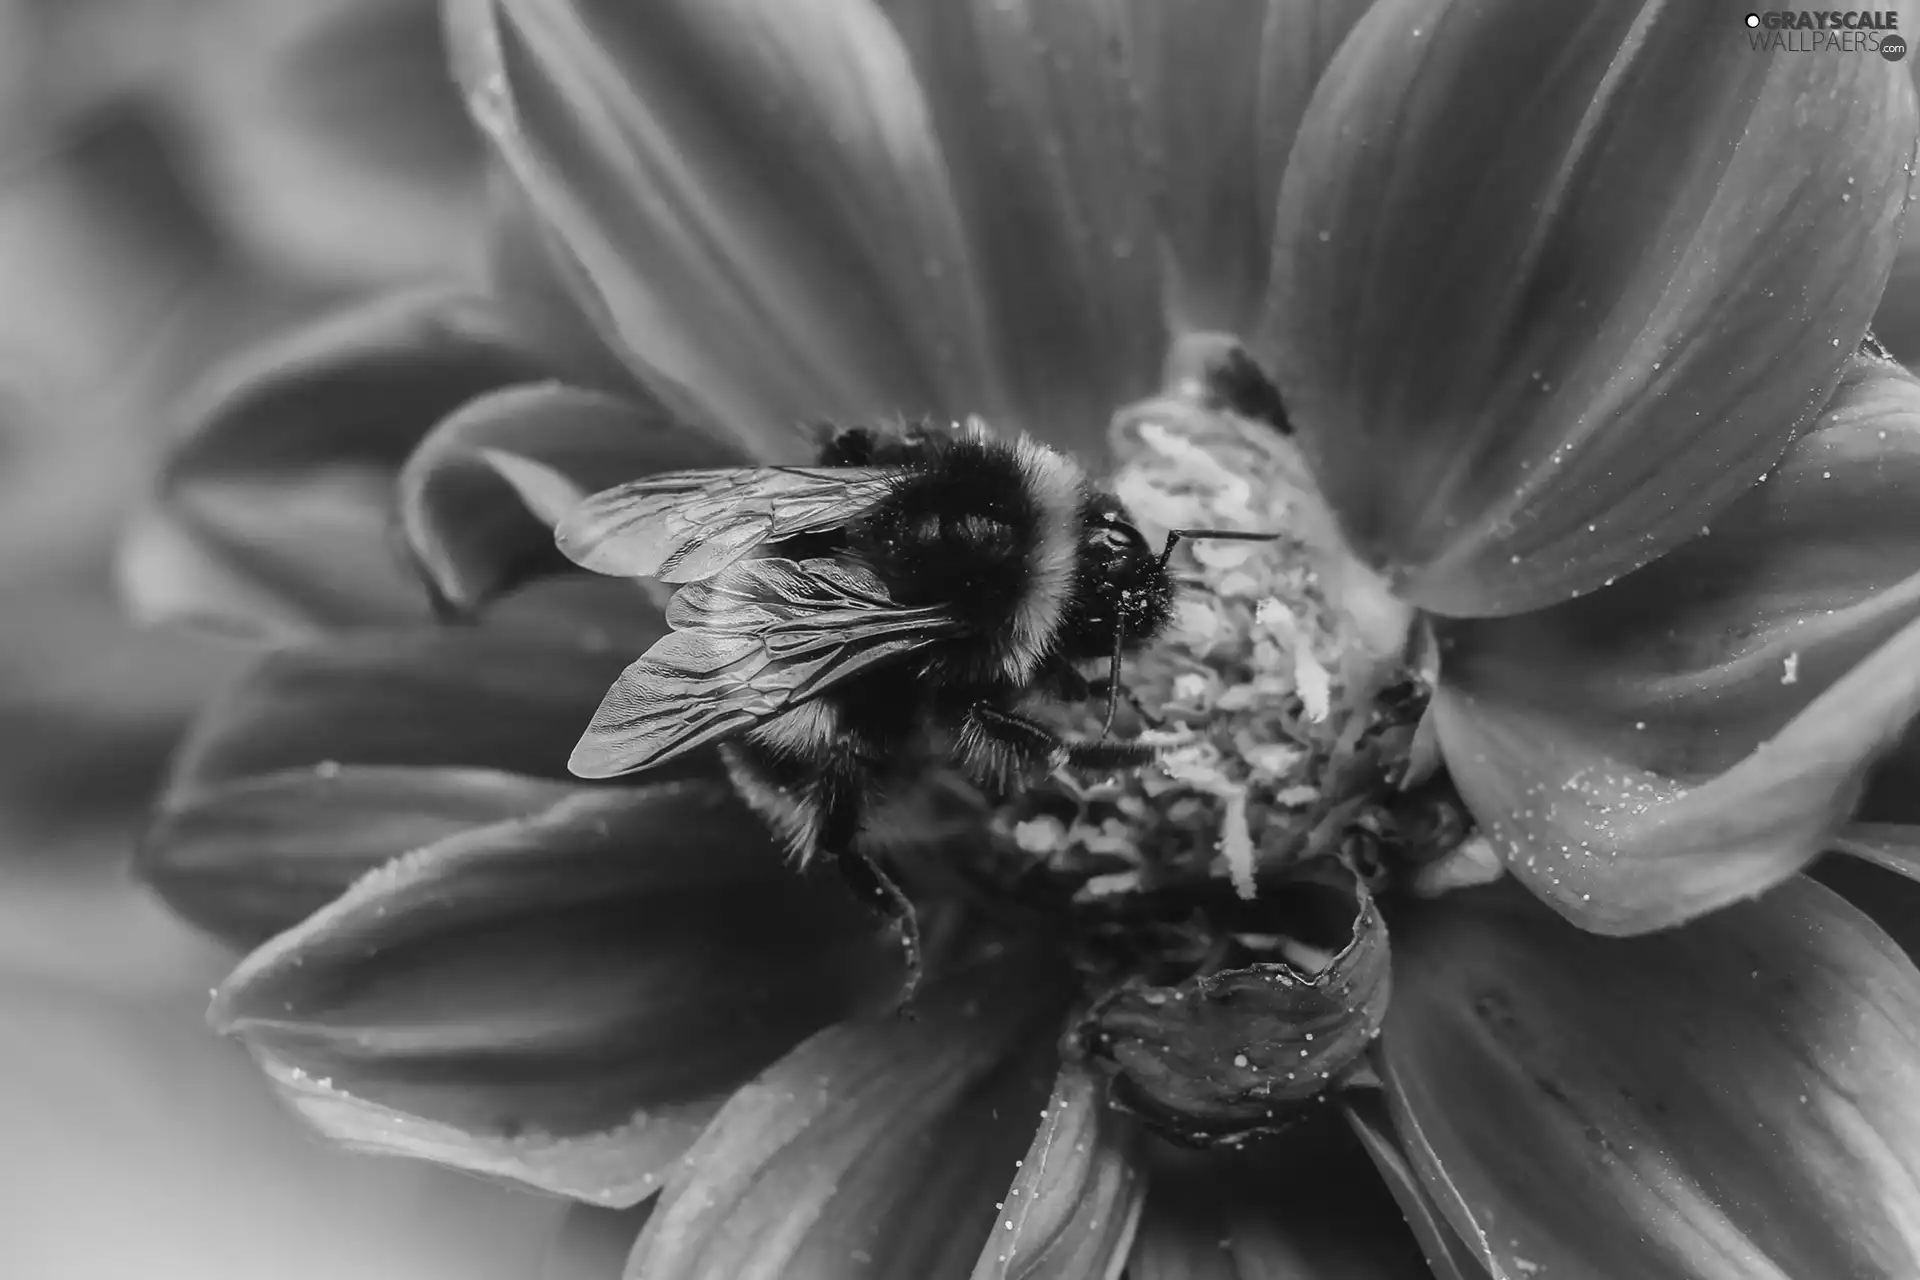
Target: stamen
x=1287, y=684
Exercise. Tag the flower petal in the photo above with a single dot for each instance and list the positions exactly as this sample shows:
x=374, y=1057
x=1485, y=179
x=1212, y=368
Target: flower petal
x=560, y=999
x=1240, y=1048
x=534, y=279
x=1305, y=1203
x=1691, y=734
x=1732, y=1099
x=274, y=514
x=1897, y=322
x=1596, y=347
x=1222, y=81
x=874, y=1150
x=1894, y=846
x=328, y=140
x=246, y=859
x=1447, y=1255
x=432, y=696
x=1075, y=1203
x=480, y=496
x=755, y=191
x=1035, y=104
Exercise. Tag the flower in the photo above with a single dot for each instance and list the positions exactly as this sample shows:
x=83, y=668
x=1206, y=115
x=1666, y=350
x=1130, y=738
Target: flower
x=1566, y=308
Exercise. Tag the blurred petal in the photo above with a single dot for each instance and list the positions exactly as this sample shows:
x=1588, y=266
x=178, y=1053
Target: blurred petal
x=1240, y=1048
x=1447, y=1255
x=245, y=860
x=434, y=696
x=275, y=513
x=1075, y=1203
x=480, y=496
x=1222, y=81
x=1729, y=1100
x=1036, y=104
x=332, y=143
x=1303, y=1204
x=1692, y=734
x=755, y=192
x=875, y=1150
x=559, y=1000
x=1577, y=360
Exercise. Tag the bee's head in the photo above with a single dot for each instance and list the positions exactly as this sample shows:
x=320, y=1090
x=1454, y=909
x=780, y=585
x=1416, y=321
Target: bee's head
x=1121, y=588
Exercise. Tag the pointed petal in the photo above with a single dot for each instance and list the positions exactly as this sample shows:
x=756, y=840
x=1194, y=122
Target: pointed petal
x=273, y=515
x=1576, y=360
x=558, y=999
x=1303, y=1204
x=1691, y=734
x=1074, y=1206
x=479, y=498
x=433, y=696
x=876, y=1149
x=1034, y=103
x=1220, y=81
x=1728, y=1100
x=245, y=860
x=755, y=192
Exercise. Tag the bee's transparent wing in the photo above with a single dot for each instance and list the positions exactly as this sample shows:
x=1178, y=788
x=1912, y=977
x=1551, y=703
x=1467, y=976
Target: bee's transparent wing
x=685, y=526
x=759, y=638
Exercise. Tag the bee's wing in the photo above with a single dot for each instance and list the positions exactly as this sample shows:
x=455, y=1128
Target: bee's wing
x=758, y=639
x=684, y=526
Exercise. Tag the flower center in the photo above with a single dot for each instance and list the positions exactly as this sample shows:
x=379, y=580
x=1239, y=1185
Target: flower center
x=1287, y=696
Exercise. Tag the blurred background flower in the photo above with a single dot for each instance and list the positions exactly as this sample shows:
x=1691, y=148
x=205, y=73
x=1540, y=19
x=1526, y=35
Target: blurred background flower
x=177, y=176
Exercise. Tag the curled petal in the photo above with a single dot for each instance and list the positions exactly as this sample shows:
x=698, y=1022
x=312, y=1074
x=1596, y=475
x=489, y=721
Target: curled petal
x=247, y=859
x=1242, y=1048
x=1726, y=1101
x=1574, y=361
x=432, y=696
x=1222, y=81
x=1691, y=734
x=754, y=191
x=480, y=497
x=274, y=513
x=1075, y=1204
x=876, y=1149
x=1035, y=104
x=559, y=999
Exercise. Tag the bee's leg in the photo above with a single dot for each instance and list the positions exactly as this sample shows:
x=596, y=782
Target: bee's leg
x=840, y=821
x=991, y=735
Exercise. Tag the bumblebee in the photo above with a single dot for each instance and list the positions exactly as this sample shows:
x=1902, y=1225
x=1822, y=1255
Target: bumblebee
x=918, y=585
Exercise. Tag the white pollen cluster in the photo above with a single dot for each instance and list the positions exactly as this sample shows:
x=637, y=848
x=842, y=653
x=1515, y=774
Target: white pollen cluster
x=1274, y=686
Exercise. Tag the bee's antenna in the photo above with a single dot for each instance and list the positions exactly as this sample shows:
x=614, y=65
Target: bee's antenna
x=1174, y=536
x=1113, y=676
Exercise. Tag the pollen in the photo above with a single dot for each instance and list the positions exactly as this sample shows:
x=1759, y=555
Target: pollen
x=1285, y=695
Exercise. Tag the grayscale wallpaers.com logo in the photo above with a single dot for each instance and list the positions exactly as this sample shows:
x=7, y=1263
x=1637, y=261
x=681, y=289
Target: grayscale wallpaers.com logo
x=1827, y=31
